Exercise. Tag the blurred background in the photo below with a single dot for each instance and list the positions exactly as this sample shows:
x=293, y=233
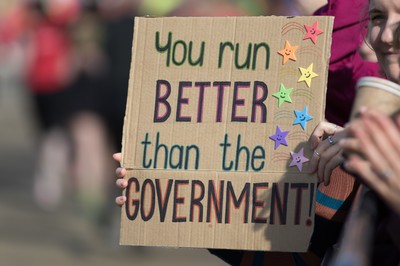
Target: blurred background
x=64, y=69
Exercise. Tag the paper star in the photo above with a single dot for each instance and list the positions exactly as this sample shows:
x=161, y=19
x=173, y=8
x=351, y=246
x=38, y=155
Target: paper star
x=302, y=117
x=288, y=52
x=279, y=137
x=283, y=95
x=298, y=159
x=307, y=74
x=312, y=32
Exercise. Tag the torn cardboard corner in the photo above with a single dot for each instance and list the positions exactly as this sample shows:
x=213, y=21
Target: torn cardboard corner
x=218, y=115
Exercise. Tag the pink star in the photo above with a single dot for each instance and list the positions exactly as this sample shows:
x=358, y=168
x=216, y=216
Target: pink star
x=298, y=159
x=312, y=32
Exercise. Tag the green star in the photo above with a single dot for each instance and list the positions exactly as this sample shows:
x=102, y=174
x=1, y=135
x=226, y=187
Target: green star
x=283, y=95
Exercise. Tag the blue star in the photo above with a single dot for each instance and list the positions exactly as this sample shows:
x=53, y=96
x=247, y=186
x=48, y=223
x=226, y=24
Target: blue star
x=298, y=159
x=279, y=137
x=302, y=117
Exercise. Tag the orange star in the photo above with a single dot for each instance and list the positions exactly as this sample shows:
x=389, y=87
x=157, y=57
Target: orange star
x=312, y=32
x=288, y=52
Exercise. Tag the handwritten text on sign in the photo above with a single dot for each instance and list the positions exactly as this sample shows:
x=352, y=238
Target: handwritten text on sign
x=218, y=115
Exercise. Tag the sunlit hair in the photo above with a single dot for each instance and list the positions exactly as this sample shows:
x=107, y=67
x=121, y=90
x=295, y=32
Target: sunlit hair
x=364, y=24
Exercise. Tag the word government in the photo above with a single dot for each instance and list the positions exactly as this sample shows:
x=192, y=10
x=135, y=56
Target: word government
x=199, y=201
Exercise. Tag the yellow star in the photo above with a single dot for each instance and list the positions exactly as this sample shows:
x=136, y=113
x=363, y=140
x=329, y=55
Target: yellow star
x=307, y=74
x=288, y=52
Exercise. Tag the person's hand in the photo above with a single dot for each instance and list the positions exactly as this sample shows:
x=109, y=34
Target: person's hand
x=327, y=154
x=374, y=155
x=121, y=183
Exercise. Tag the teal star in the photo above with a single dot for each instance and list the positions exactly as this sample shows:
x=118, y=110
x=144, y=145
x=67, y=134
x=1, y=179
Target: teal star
x=302, y=117
x=283, y=95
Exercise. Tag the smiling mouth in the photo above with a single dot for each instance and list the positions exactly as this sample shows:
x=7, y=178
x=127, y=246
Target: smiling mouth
x=391, y=57
x=388, y=53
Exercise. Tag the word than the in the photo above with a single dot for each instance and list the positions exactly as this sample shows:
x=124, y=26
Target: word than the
x=157, y=154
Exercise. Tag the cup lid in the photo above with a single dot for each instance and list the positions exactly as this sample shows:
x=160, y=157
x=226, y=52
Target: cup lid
x=379, y=83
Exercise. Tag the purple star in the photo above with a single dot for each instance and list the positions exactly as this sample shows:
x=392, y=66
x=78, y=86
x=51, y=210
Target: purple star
x=298, y=159
x=279, y=137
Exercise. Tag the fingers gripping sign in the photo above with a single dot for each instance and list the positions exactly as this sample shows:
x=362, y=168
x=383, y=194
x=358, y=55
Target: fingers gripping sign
x=327, y=154
x=121, y=183
x=321, y=132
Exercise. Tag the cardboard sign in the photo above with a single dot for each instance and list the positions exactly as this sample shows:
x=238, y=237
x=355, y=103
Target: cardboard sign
x=218, y=116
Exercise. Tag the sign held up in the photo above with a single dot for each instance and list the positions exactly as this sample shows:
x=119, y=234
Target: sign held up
x=218, y=115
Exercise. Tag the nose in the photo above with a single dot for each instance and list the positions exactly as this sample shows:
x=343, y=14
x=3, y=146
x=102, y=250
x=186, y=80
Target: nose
x=391, y=34
x=387, y=34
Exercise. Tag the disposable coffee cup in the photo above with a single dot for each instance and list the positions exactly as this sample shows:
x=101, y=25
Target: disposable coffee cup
x=377, y=93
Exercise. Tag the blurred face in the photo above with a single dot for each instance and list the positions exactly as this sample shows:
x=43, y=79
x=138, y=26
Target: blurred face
x=384, y=34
